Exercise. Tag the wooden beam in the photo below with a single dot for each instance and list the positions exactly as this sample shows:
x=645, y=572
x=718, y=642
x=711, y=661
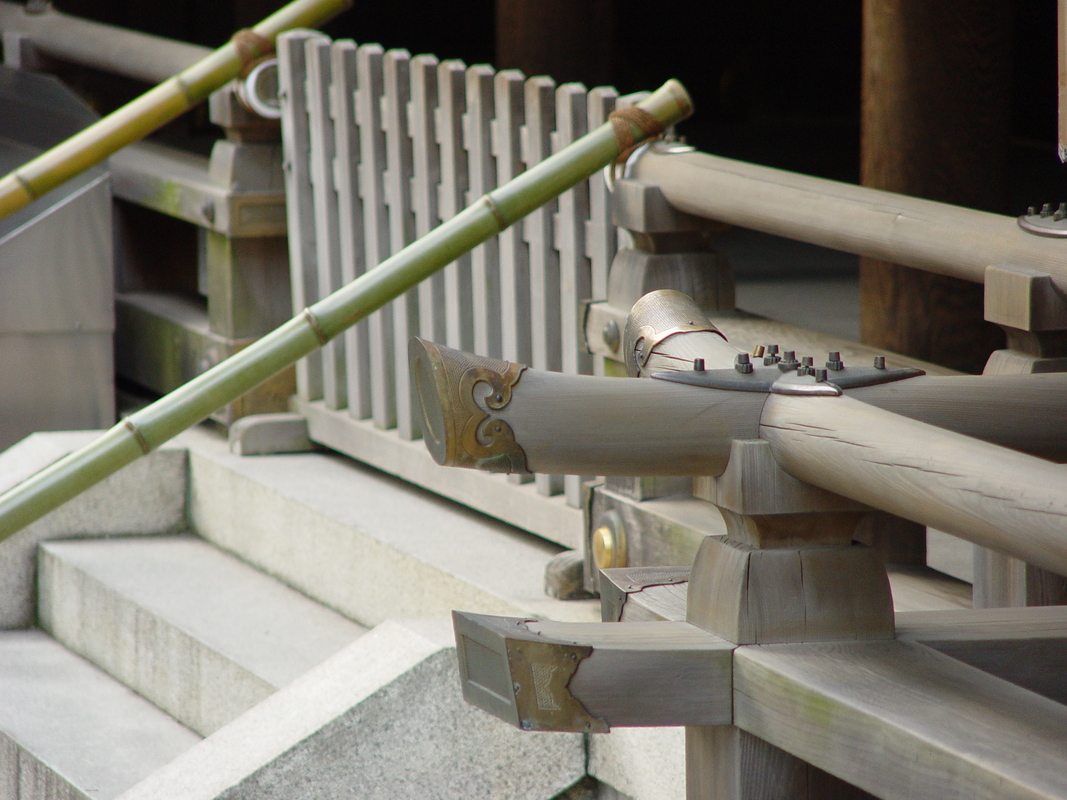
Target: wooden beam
x=986, y=494
x=558, y=676
x=901, y=720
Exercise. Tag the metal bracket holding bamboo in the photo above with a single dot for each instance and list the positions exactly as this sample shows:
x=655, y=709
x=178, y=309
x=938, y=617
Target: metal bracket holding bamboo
x=157, y=423
x=153, y=109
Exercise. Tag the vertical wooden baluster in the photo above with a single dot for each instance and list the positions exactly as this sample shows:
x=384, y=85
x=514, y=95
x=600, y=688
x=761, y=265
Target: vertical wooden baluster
x=401, y=231
x=324, y=195
x=427, y=171
x=514, y=251
x=375, y=224
x=601, y=240
x=452, y=103
x=485, y=271
x=539, y=231
x=575, y=284
x=350, y=221
x=299, y=203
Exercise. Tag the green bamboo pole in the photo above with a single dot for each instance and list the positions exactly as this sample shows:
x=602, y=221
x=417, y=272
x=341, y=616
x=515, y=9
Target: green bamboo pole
x=184, y=407
x=154, y=108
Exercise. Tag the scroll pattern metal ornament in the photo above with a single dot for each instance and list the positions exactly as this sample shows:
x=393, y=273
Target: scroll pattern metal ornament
x=488, y=441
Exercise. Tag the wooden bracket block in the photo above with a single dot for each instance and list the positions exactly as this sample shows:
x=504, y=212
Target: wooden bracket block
x=753, y=483
x=804, y=594
x=588, y=677
x=1024, y=299
x=642, y=208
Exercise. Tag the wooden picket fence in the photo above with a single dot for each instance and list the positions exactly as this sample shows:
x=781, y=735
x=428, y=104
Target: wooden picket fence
x=380, y=147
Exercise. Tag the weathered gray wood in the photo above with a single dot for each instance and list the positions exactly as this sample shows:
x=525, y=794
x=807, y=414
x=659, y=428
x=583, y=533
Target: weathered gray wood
x=371, y=88
x=452, y=103
x=789, y=594
x=856, y=219
x=292, y=92
x=579, y=424
x=726, y=763
x=485, y=259
x=601, y=238
x=327, y=229
x=545, y=675
x=427, y=174
x=398, y=177
x=539, y=233
x=550, y=518
x=986, y=494
x=640, y=594
x=514, y=251
x=575, y=279
x=350, y=218
x=516, y=344
x=954, y=733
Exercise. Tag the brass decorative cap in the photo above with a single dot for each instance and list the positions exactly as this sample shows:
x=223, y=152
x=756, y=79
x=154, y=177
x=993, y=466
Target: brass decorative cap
x=458, y=393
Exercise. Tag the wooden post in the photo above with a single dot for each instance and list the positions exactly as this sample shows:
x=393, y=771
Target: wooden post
x=936, y=81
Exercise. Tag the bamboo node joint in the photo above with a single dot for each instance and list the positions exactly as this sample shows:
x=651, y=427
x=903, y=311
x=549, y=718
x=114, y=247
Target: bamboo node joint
x=131, y=426
x=313, y=322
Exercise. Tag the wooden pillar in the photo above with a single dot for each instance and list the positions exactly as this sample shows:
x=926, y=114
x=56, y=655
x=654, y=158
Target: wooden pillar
x=935, y=124
x=571, y=40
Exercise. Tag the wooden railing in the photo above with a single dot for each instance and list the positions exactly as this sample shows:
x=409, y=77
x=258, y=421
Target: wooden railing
x=380, y=147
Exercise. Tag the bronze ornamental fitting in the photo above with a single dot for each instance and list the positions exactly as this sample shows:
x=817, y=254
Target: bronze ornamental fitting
x=458, y=393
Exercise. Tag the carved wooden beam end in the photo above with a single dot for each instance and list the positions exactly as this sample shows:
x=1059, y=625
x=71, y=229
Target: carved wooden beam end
x=458, y=430
x=492, y=415
x=590, y=677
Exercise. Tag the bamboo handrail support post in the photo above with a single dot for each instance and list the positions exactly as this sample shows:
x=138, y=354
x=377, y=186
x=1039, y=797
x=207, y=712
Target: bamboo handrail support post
x=500, y=208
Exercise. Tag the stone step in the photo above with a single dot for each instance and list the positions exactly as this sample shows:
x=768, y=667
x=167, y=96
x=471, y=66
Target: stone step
x=68, y=730
x=198, y=632
x=382, y=719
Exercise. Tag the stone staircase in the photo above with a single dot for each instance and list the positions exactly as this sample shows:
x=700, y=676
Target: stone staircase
x=203, y=625
x=144, y=656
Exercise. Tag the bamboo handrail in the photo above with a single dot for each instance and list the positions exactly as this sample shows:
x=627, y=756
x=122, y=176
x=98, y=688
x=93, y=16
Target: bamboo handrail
x=154, y=108
x=933, y=236
x=184, y=407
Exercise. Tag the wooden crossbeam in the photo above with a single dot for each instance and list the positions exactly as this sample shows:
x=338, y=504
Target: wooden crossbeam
x=901, y=720
x=557, y=676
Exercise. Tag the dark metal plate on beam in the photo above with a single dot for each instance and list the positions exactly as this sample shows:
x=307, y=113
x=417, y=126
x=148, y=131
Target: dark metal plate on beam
x=771, y=379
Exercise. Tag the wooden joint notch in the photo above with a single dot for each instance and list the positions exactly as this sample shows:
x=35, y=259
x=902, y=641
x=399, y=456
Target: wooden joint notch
x=643, y=594
x=590, y=677
x=1024, y=299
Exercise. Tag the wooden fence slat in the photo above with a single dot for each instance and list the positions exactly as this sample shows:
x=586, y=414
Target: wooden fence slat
x=514, y=252
x=299, y=203
x=371, y=79
x=575, y=284
x=452, y=104
x=355, y=340
x=539, y=232
x=398, y=181
x=485, y=266
x=427, y=178
x=324, y=196
x=512, y=247
x=601, y=241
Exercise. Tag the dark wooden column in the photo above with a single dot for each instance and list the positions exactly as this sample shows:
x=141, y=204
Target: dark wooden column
x=570, y=40
x=935, y=124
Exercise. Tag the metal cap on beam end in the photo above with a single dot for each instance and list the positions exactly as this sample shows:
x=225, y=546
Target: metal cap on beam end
x=520, y=676
x=656, y=317
x=459, y=393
